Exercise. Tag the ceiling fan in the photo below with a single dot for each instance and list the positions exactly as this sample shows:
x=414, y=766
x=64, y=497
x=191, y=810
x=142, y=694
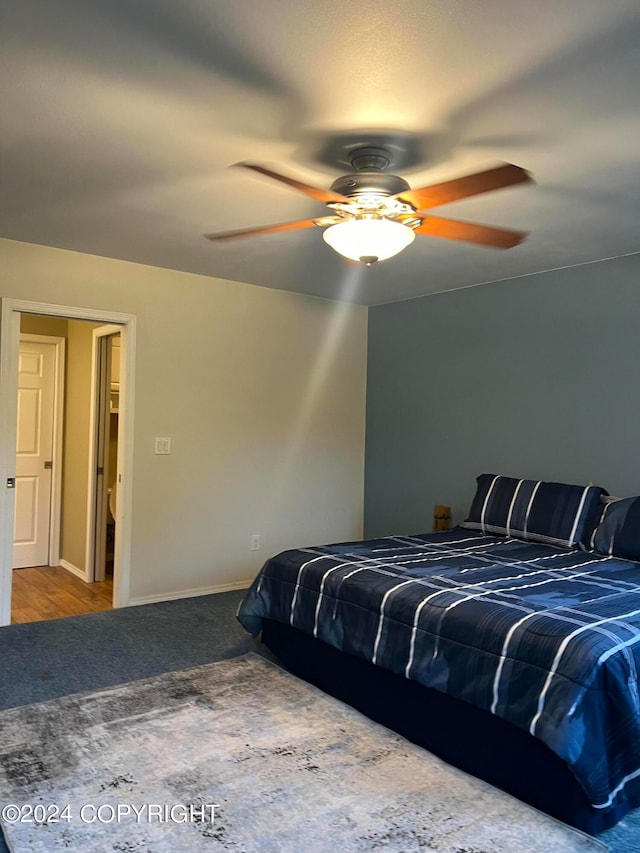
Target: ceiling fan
x=376, y=214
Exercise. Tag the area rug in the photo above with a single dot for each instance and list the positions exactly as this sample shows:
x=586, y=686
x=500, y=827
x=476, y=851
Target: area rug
x=240, y=755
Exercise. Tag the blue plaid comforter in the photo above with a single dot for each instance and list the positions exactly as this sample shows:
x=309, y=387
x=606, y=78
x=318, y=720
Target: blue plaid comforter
x=544, y=637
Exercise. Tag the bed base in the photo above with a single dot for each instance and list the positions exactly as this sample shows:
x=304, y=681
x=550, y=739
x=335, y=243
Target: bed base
x=467, y=737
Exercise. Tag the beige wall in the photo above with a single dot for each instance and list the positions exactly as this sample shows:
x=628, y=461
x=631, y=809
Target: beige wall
x=262, y=392
x=32, y=324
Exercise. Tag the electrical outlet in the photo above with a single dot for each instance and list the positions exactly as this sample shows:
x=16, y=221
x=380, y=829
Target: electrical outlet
x=255, y=542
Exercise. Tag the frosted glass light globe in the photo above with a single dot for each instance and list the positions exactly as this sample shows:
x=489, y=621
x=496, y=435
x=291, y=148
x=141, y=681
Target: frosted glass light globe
x=369, y=238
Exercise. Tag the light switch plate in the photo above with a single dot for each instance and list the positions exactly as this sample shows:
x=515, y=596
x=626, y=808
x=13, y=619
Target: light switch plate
x=162, y=446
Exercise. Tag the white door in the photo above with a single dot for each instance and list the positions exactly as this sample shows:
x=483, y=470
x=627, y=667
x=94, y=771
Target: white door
x=34, y=448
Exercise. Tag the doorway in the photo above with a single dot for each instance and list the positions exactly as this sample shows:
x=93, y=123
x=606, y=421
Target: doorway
x=9, y=360
x=103, y=455
x=56, y=572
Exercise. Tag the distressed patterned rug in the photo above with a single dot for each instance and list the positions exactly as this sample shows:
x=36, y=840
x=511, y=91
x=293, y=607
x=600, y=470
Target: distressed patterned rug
x=242, y=756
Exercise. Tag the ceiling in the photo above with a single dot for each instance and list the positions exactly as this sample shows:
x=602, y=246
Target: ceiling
x=120, y=120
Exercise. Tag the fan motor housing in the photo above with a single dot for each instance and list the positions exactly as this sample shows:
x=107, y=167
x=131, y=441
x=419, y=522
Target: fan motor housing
x=369, y=183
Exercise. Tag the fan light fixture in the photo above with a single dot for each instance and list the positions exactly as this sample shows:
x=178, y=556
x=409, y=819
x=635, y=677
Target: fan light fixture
x=374, y=214
x=369, y=238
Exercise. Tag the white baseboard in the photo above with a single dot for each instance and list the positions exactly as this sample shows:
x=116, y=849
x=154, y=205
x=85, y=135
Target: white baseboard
x=189, y=593
x=73, y=569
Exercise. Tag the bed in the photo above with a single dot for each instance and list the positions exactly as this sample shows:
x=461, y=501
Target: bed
x=513, y=658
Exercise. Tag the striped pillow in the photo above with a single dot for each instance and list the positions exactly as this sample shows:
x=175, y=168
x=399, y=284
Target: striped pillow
x=555, y=513
x=618, y=533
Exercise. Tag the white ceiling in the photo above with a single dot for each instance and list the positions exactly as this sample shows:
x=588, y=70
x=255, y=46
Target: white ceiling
x=119, y=119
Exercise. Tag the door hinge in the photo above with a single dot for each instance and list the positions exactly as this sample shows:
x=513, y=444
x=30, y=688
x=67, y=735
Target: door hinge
x=99, y=471
x=48, y=464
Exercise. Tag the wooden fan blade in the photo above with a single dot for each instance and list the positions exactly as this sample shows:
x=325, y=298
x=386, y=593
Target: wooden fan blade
x=469, y=232
x=481, y=182
x=321, y=195
x=322, y=221
x=268, y=229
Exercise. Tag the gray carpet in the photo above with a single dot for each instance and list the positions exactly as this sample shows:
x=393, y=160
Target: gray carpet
x=45, y=660
x=247, y=758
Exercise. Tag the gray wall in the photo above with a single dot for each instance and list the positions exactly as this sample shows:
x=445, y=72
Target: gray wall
x=535, y=377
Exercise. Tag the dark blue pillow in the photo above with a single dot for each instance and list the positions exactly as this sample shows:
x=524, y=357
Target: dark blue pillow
x=618, y=534
x=555, y=513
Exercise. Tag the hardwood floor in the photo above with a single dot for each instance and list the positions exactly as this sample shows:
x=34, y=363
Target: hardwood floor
x=52, y=592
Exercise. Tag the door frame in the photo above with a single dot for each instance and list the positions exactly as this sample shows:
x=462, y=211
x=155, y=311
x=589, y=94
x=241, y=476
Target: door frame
x=95, y=506
x=10, y=310
x=56, y=444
